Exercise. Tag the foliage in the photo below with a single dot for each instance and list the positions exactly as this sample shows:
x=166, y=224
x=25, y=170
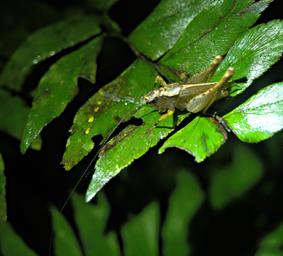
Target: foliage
x=141, y=233
x=177, y=43
x=176, y=38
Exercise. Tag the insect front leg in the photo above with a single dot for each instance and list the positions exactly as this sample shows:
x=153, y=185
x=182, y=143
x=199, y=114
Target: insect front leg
x=159, y=81
x=170, y=112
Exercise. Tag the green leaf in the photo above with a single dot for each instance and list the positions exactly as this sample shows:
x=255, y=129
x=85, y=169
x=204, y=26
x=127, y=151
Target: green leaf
x=11, y=244
x=116, y=101
x=260, y=116
x=45, y=43
x=184, y=202
x=3, y=207
x=91, y=222
x=162, y=28
x=101, y=5
x=13, y=116
x=253, y=53
x=212, y=33
x=130, y=144
x=140, y=235
x=272, y=243
x=65, y=242
x=58, y=87
x=233, y=181
x=201, y=138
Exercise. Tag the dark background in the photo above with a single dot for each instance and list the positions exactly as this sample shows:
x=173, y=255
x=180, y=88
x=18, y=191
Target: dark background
x=35, y=181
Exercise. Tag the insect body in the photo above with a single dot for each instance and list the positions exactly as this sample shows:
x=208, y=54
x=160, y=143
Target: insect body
x=195, y=95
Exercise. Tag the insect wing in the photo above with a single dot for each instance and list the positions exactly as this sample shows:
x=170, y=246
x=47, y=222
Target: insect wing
x=201, y=102
x=192, y=90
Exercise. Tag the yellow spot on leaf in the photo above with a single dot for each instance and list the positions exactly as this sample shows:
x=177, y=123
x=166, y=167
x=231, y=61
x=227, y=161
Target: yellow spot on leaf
x=87, y=131
x=67, y=167
x=90, y=119
x=96, y=109
x=99, y=102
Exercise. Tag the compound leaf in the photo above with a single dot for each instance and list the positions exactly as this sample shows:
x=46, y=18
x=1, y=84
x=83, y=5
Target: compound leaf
x=45, y=43
x=212, y=32
x=162, y=28
x=130, y=144
x=116, y=101
x=58, y=87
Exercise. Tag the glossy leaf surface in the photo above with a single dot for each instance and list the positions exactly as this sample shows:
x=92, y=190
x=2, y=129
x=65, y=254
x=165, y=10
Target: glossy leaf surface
x=114, y=103
x=130, y=144
x=58, y=87
x=260, y=116
x=45, y=43
x=253, y=53
x=162, y=28
x=201, y=138
x=212, y=33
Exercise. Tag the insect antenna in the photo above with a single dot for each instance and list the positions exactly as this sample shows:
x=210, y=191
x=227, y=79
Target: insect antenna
x=125, y=99
x=84, y=174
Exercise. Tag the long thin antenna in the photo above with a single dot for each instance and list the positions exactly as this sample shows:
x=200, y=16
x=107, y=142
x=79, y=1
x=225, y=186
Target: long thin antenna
x=105, y=139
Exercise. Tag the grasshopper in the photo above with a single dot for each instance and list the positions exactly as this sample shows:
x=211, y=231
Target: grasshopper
x=196, y=94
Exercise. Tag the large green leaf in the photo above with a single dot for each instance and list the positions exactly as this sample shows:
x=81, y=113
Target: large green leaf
x=232, y=181
x=103, y=111
x=91, y=222
x=202, y=137
x=162, y=28
x=260, y=116
x=184, y=202
x=130, y=144
x=3, y=208
x=13, y=116
x=140, y=235
x=11, y=244
x=254, y=53
x=272, y=243
x=58, y=87
x=65, y=242
x=45, y=43
x=212, y=33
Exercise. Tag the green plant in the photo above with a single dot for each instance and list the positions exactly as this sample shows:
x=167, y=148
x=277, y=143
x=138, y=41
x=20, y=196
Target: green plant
x=165, y=42
x=140, y=235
